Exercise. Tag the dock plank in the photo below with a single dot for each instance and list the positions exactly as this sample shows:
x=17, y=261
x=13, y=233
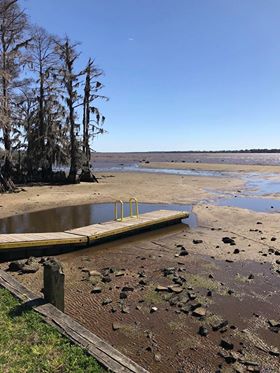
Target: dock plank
x=91, y=233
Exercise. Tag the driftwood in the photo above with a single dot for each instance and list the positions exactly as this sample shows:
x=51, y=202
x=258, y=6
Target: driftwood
x=95, y=346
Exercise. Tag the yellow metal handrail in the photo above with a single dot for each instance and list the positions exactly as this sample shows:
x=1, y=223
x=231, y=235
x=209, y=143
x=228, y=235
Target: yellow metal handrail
x=131, y=208
x=116, y=210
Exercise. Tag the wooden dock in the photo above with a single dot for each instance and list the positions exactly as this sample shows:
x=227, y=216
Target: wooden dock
x=87, y=236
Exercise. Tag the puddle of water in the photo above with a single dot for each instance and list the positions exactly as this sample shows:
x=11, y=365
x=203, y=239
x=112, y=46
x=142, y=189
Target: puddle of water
x=254, y=204
x=63, y=218
x=264, y=186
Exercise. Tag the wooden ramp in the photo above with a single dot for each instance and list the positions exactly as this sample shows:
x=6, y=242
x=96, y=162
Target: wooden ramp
x=90, y=234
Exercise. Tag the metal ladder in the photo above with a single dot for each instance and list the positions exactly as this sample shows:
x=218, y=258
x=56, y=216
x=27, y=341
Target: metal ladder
x=121, y=204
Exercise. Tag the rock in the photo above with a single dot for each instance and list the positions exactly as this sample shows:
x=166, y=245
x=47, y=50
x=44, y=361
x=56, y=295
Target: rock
x=182, y=300
x=278, y=261
x=177, y=281
x=168, y=271
x=251, y=277
x=123, y=295
x=43, y=259
x=274, y=323
x=141, y=274
x=116, y=326
x=96, y=290
x=227, y=345
x=30, y=268
x=32, y=260
x=230, y=292
x=192, y=296
x=229, y=358
x=175, y=289
x=274, y=329
x=113, y=309
x=157, y=356
x=174, y=300
x=203, y=331
x=94, y=273
x=219, y=326
x=17, y=265
x=236, y=251
x=184, y=253
x=209, y=293
x=228, y=240
x=186, y=309
x=125, y=309
x=274, y=352
x=119, y=273
x=199, y=312
x=196, y=242
x=106, y=301
x=153, y=309
x=161, y=288
x=143, y=282
x=277, y=252
x=249, y=363
x=106, y=279
x=195, y=306
x=127, y=288
x=273, y=239
x=107, y=271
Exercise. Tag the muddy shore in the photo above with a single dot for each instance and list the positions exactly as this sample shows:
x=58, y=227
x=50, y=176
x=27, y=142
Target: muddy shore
x=221, y=279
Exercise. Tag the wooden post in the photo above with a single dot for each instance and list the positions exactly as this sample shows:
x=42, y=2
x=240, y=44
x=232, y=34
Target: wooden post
x=54, y=283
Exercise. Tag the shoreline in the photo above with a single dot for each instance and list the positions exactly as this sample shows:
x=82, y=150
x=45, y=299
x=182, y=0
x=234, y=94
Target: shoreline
x=154, y=188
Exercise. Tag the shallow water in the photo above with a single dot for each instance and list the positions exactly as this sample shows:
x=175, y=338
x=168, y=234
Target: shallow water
x=136, y=168
x=63, y=218
x=255, y=183
x=195, y=157
x=263, y=186
x=254, y=204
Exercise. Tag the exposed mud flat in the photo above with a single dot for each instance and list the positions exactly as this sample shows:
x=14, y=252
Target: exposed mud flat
x=204, y=299
x=111, y=289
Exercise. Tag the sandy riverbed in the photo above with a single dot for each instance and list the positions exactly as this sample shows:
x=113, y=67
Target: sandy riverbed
x=242, y=277
x=146, y=187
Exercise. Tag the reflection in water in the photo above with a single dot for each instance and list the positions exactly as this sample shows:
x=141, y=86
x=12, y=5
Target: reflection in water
x=63, y=218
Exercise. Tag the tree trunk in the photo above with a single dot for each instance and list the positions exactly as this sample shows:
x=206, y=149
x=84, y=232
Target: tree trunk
x=6, y=180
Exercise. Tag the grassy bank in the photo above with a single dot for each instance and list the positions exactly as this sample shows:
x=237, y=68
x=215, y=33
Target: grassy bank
x=27, y=344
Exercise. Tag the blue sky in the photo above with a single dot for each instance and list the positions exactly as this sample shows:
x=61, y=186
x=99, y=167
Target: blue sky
x=180, y=74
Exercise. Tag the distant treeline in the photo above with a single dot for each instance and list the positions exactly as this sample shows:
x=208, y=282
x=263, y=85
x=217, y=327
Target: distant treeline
x=216, y=151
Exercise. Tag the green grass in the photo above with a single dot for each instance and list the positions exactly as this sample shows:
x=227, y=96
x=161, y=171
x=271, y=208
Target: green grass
x=27, y=344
